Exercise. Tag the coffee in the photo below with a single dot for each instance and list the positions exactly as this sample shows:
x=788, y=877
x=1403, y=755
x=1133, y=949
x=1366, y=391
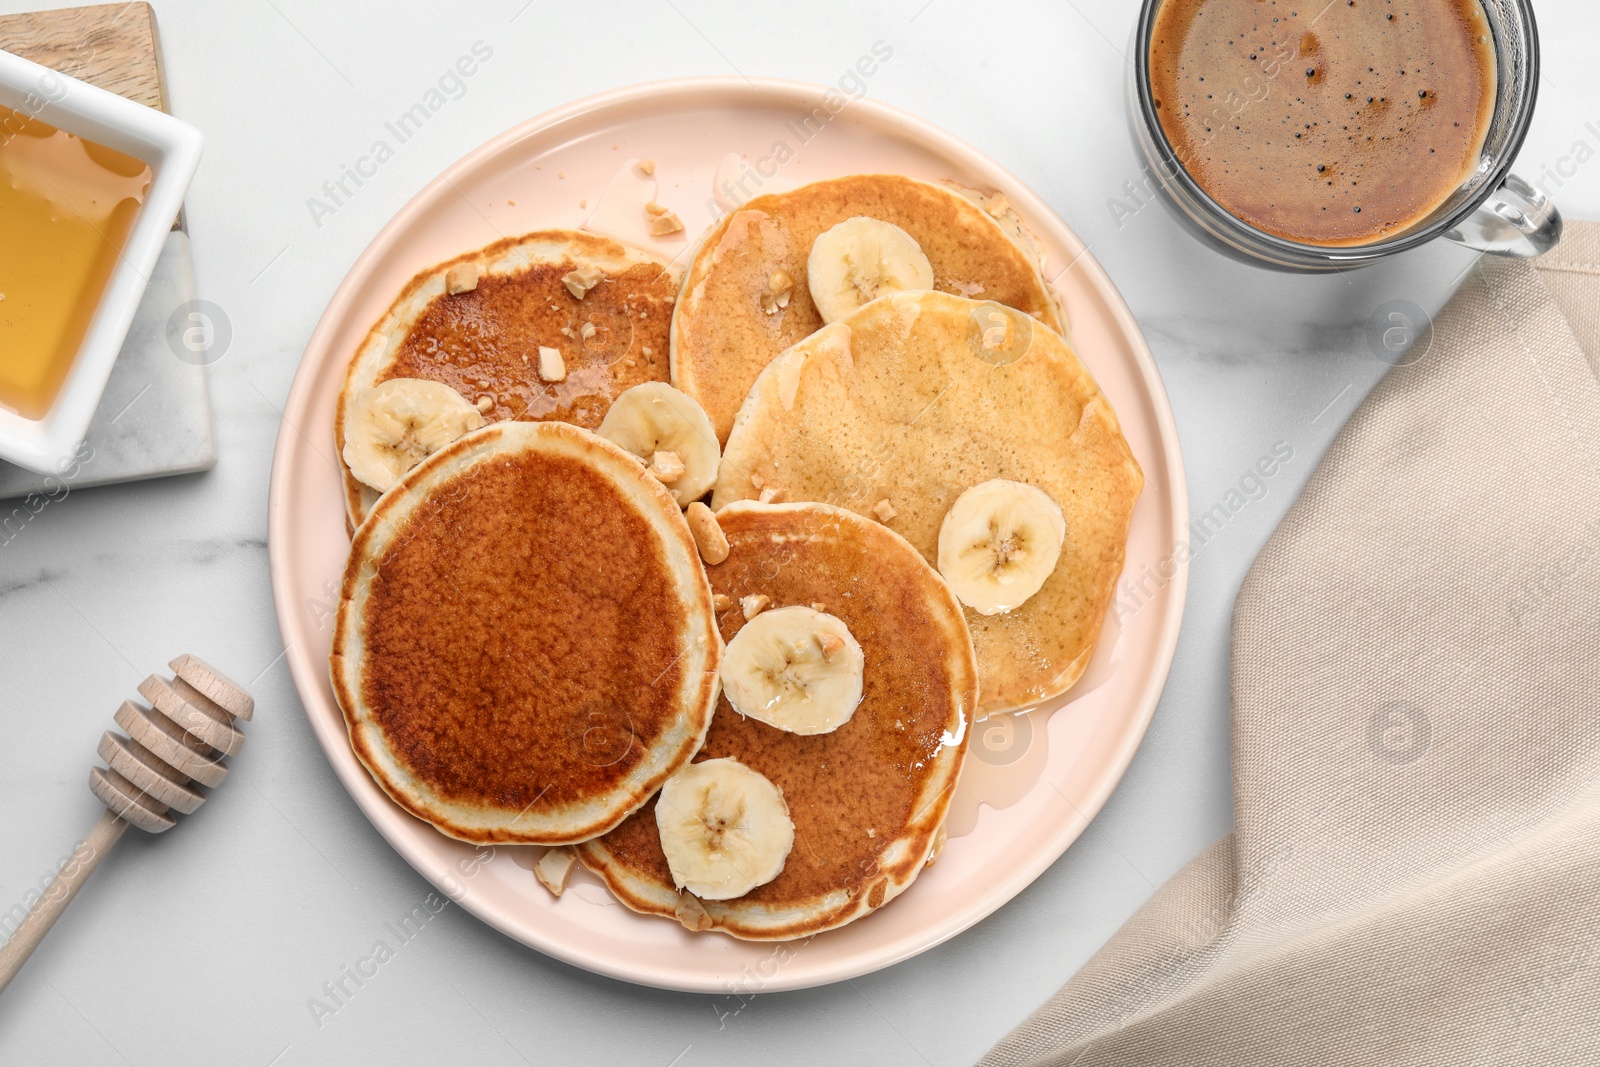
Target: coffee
x=1329, y=123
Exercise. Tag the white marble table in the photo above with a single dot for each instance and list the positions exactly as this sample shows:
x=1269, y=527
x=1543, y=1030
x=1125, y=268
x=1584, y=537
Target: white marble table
x=206, y=947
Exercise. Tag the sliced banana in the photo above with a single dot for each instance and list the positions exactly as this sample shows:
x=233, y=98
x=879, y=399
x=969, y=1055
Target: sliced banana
x=653, y=418
x=724, y=828
x=861, y=259
x=795, y=668
x=397, y=424
x=998, y=543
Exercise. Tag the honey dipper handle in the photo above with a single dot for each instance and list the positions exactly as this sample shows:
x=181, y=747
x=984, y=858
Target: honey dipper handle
x=63, y=887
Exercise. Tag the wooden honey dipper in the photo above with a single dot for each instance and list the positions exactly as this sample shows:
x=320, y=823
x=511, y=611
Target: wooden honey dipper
x=170, y=749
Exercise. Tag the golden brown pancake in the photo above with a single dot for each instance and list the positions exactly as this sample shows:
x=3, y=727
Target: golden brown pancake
x=485, y=342
x=916, y=398
x=525, y=647
x=868, y=800
x=722, y=336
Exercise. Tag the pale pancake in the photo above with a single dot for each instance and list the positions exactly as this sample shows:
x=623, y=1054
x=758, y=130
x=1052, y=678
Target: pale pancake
x=869, y=799
x=722, y=337
x=916, y=398
x=525, y=647
x=485, y=342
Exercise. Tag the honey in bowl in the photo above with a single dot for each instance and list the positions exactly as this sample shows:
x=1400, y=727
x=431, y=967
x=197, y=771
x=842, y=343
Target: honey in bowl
x=1327, y=122
x=67, y=206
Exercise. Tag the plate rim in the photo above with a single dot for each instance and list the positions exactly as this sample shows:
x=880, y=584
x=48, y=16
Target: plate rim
x=305, y=673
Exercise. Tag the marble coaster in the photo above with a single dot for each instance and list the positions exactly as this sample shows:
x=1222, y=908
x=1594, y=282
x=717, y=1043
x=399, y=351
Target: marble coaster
x=154, y=418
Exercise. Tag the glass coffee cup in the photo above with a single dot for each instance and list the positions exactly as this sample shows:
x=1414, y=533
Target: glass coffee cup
x=1491, y=209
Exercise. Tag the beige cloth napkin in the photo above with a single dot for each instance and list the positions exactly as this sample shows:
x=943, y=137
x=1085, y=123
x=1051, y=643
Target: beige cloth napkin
x=1414, y=874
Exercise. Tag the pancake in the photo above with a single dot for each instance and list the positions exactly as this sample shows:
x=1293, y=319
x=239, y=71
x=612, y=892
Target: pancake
x=485, y=342
x=919, y=396
x=867, y=800
x=525, y=647
x=722, y=337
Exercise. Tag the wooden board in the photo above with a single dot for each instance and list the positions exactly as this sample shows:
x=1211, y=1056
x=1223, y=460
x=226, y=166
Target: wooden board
x=113, y=46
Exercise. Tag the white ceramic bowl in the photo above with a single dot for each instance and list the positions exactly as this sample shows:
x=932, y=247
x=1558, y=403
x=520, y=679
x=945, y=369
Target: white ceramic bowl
x=172, y=150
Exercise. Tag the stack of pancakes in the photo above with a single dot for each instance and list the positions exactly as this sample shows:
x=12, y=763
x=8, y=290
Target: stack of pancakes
x=530, y=631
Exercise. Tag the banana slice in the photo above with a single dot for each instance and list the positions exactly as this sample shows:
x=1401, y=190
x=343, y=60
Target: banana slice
x=724, y=827
x=656, y=418
x=861, y=259
x=795, y=668
x=397, y=424
x=998, y=543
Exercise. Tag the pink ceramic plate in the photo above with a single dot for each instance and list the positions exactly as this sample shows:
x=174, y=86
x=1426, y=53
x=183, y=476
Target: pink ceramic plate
x=1030, y=785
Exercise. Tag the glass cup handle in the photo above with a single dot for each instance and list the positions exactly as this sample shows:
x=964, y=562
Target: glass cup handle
x=1517, y=220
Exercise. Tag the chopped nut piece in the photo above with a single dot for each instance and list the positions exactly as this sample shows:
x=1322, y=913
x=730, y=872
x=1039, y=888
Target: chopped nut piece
x=817, y=605
x=662, y=225
x=552, y=368
x=692, y=914
x=580, y=281
x=753, y=605
x=566, y=331
x=653, y=208
x=721, y=601
x=776, y=295
x=770, y=494
x=461, y=278
x=998, y=205
x=708, y=535
x=871, y=832
x=586, y=331
x=485, y=404
x=647, y=350
x=667, y=467
x=647, y=167
x=554, y=867
x=831, y=644
x=884, y=510
x=757, y=481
